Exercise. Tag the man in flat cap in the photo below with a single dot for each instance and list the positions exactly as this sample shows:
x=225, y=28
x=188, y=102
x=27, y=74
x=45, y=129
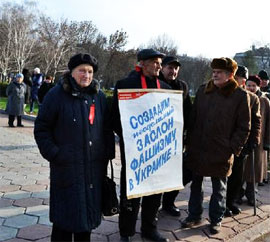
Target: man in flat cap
x=218, y=130
x=170, y=74
x=145, y=76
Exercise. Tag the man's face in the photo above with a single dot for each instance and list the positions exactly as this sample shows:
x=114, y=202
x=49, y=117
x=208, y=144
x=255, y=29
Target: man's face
x=83, y=75
x=252, y=86
x=241, y=80
x=151, y=67
x=264, y=83
x=170, y=71
x=220, y=77
x=20, y=79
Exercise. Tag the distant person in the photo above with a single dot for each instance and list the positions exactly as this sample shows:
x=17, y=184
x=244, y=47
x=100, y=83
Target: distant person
x=219, y=128
x=265, y=87
x=28, y=82
x=253, y=85
x=15, y=104
x=71, y=131
x=170, y=75
x=44, y=88
x=37, y=79
x=265, y=84
x=235, y=180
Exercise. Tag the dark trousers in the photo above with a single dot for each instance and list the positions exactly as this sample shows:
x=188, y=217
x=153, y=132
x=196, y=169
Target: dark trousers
x=217, y=204
x=129, y=210
x=32, y=103
x=11, y=119
x=62, y=235
x=249, y=192
x=169, y=198
x=235, y=180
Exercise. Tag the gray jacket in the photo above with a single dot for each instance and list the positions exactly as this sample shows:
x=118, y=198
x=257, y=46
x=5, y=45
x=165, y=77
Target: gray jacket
x=16, y=93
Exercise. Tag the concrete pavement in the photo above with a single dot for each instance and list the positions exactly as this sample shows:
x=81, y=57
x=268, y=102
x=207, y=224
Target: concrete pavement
x=24, y=200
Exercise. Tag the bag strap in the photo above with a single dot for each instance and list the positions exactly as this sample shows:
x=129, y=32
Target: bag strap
x=112, y=175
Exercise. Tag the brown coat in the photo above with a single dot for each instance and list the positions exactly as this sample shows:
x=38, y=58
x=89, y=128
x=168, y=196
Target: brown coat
x=255, y=132
x=260, y=153
x=219, y=128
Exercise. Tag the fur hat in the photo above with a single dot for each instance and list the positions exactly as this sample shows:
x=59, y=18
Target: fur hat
x=146, y=54
x=263, y=75
x=224, y=63
x=255, y=79
x=242, y=71
x=80, y=59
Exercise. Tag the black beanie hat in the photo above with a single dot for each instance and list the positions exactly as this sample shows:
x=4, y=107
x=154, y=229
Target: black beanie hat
x=255, y=79
x=263, y=75
x=242, y=71
x=79, y=59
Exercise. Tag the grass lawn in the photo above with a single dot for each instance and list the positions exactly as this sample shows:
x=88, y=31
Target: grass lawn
x=3, y=103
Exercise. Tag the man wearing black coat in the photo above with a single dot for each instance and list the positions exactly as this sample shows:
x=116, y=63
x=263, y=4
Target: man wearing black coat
x=44, y=88
x=145, y=76
x=169, y=74
x=72, y=133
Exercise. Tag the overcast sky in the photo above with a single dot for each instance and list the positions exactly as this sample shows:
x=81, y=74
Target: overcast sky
x=209, y=28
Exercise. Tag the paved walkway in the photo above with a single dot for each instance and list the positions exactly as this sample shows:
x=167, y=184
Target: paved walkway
x=24, y=200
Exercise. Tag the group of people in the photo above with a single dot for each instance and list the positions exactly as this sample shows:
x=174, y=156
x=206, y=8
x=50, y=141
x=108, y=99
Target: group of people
x=26, y=89
x=75, y=131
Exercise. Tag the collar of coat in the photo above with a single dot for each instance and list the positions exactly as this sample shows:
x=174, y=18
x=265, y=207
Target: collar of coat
x=176, y=84
x=74, y=90
x=226, y=90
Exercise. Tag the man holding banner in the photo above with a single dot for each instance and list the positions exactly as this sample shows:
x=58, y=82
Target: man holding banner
x=148, y=141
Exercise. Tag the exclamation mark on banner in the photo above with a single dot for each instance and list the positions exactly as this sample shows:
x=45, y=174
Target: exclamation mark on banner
x=175, y=146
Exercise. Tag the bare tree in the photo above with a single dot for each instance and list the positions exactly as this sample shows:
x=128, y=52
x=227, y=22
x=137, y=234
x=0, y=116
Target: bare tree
x=264, y=54
x=164, y=44
x=114, y=52
x=194, y=71
x=90, y=40
x=57, y=42
x=87, y=32
x=5, y=47
x=19, y=25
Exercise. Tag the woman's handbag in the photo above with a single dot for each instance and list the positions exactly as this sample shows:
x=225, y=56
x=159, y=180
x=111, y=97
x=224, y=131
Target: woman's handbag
x=110, y=204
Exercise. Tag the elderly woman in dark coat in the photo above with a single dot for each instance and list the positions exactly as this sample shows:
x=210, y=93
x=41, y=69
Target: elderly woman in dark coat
x=71, y=133
x=16, y=93
x=253, y=85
